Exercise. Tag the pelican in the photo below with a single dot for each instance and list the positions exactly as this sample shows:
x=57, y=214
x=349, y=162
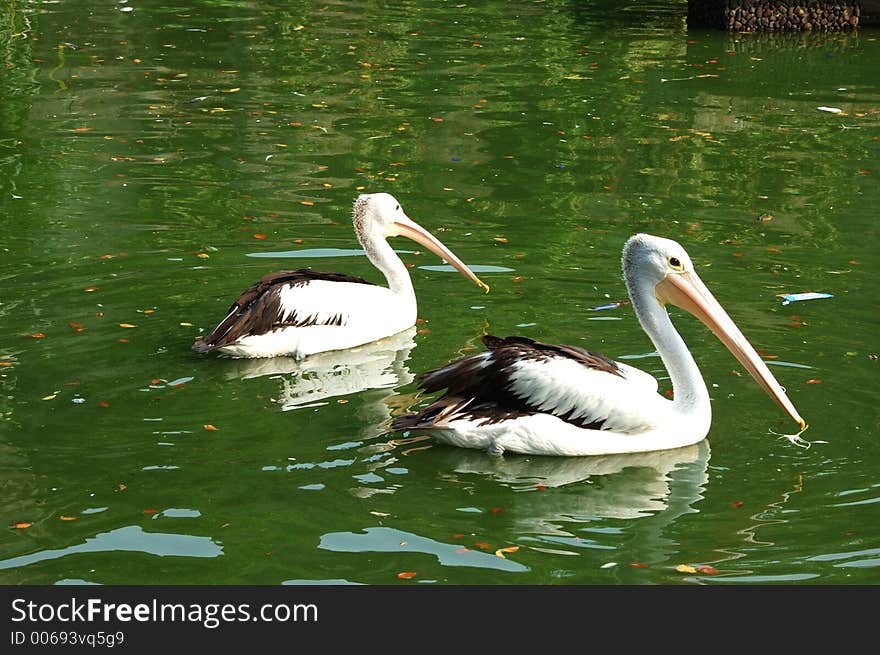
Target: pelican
x=529, y=397
x=303, y=312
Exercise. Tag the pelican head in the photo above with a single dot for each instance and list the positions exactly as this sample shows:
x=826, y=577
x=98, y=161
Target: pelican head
x=661, y=270
x=379, y=216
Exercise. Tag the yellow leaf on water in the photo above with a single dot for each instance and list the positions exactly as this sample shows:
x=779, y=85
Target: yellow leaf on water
x=67, y=518
x=184, y=324
x=51, y=397
x=236, y=89
x=508, y=549
x=21, y=525
x=127, y=325
x=684, y=568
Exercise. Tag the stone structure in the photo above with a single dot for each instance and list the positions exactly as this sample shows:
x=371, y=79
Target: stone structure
x=783, y=15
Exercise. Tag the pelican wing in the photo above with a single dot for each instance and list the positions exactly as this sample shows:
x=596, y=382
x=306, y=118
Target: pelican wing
x=282, y=299
x=518, y=376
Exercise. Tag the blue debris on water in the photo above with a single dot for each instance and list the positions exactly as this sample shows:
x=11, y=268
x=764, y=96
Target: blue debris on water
x=788, y=298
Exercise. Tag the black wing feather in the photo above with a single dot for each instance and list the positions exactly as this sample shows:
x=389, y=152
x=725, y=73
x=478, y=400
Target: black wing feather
x=480, y=384
x=257, y=309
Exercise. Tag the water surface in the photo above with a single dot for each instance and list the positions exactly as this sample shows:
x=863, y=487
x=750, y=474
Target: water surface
x=156, y=160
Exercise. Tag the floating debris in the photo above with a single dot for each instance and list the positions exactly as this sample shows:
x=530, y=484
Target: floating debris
x=831, y=110
x=788, y=298
x=610, y=305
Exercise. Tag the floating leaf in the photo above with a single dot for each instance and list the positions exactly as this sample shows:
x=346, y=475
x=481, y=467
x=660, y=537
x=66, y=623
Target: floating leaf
x=482, y=545
x=203, y=255
x=406, y=575
x=509, y=549
x=21, y=525
x=500, y=239
x=50, y=397
x=127, y=325
x=684, y=568
x=813, y=381
x=260, y=236
x=67, y=518
x=737, y=503
x=90, y=288
x=496, y=510
x=38, y=335
x=121, y=487
x=639, y=565
x=708, y=570
x=210, y=428
x=150, y=511
x=235, y=90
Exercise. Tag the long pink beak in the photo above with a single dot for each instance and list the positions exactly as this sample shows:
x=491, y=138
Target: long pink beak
x=686, y=290
x=417, y=233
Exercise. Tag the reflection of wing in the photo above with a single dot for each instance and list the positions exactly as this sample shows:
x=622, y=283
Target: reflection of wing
x=663, y=482
x=377, y=365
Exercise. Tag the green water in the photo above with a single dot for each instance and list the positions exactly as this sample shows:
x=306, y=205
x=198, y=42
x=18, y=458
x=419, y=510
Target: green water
x=142, y=153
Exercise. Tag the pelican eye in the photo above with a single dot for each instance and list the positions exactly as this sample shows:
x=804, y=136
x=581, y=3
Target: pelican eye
x=397, y=208
x=675, y=263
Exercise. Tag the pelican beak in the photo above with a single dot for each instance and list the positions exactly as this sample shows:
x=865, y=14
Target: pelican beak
x=686, y=290
x=412, y=230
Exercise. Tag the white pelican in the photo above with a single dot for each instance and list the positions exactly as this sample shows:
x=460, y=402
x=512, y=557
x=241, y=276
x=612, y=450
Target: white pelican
x=529, y=397
x=299, y=313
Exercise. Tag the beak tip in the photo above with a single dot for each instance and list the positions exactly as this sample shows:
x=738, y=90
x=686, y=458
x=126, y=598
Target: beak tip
x=483, y=285
x=803, y=425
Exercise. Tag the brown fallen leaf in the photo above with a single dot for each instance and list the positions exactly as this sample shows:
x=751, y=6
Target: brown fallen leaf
x=406, y=575
x=67, y=518
x=21, y=525
x=210, y=428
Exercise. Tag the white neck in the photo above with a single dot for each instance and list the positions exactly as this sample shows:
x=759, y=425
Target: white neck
x=690, y=396
x=383, y=257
